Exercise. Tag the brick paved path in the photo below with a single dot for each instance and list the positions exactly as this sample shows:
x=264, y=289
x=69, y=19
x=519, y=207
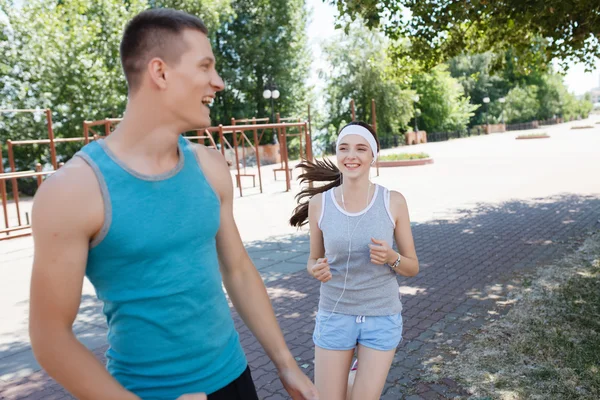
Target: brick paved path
x=466, y=265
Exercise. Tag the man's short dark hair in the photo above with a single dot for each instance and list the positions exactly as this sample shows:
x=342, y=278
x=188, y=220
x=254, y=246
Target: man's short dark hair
x=155, y=33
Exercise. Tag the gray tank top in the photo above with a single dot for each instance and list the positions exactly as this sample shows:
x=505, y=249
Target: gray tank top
x=371, y=289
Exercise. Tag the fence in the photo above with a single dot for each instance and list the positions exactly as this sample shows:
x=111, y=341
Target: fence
x=551, y=121
x=231, y=138
x=443, y=136
x=522, y=126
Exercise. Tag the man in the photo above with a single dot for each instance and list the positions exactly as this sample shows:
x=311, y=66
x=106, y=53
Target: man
x=148, y=217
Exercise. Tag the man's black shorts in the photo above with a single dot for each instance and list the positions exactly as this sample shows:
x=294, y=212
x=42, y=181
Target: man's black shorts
x=240, y=389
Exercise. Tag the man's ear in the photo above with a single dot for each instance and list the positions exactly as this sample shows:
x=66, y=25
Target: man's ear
x=157, y=70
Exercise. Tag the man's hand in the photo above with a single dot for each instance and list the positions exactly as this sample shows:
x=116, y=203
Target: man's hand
x=192, y=396
x=297, y=384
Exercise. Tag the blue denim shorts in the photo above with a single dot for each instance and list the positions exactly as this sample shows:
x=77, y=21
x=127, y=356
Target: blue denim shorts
x=335, y=331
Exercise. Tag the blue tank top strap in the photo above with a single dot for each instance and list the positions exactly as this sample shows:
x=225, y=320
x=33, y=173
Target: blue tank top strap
x=94, y=151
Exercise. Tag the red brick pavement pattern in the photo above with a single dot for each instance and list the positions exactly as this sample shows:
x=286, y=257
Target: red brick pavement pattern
x=459, y=259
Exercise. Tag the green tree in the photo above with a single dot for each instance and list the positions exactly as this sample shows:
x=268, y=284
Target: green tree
x=551, y=93
x=212, y=12
x=585, y=105
x=262, y=42
x=360, y=69
x=479, y=80
x=440, y=30
x=61, y=55
x=522, y=104
x=442, y=102
x=64, y=55
x=572, y=108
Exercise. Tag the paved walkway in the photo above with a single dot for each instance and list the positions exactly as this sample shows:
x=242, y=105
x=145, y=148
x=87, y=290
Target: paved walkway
x=488, y=210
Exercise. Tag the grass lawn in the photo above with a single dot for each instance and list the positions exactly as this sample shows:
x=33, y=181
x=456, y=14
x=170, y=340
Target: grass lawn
x=548, y=345
x=403, y=156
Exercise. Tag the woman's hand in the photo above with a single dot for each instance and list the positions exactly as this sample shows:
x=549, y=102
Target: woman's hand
x=192, y=396
x=382, y=253
x=321, y=270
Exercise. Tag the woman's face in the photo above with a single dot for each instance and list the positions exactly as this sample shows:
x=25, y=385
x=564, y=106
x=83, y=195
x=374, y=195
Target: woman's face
x=354, y=156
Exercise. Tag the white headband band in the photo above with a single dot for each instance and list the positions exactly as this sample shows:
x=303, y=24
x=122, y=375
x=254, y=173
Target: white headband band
x=360, y=131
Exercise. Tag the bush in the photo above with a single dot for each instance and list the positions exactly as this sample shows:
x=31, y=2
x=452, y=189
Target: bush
x=522, y=104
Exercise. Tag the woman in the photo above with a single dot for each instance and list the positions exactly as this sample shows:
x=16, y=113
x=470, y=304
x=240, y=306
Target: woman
x=353, y=223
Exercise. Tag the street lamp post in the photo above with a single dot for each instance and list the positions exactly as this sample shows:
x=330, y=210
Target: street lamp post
x=272, y=93
x=486, y=100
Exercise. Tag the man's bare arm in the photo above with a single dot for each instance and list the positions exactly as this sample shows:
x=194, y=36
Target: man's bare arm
x=245, y=286
x=242, y=281
x=67, y=212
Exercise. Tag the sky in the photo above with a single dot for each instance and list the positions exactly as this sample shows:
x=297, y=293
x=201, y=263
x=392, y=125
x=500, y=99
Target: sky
x=321, y=26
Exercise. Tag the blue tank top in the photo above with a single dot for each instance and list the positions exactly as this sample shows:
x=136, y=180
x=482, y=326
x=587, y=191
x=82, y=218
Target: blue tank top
x=154, y=266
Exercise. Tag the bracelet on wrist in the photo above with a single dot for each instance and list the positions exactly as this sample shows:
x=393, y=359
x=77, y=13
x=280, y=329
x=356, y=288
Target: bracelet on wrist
x=395, y=264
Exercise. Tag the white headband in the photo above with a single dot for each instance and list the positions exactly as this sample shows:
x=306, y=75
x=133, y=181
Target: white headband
x=360, y=131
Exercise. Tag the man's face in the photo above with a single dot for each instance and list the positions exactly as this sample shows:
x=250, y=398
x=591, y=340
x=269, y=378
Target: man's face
x=193, y=82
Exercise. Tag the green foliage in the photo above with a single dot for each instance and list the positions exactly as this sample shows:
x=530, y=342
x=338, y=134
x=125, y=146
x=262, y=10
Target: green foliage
x=212, y=12
x=537, y=93
x=361, y=70
x=522, y=104
x=263, y=41
x=63, y=56
x=255, y=42
x=476, y=75
x=546, y=100
x=551, y=93
x=585, y=105
x=440, y=30
x=555, y=100
x=442, y=102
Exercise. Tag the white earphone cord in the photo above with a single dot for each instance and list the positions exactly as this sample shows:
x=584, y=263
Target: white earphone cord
x=320, y=328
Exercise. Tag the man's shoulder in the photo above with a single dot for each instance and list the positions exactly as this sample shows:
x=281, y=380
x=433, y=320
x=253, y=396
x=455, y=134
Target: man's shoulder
x=211, y=160
x=215, y=168
x=76, y=176
x=73, y=190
